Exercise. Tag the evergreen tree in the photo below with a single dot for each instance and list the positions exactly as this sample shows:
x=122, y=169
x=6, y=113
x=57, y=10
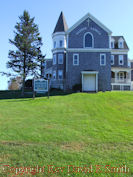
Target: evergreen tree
x=27, y=58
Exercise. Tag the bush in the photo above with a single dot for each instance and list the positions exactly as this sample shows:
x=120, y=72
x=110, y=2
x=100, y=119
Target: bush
x=77, y=87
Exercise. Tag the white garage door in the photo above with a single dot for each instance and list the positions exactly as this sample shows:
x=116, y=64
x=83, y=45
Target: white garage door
x=89, y=82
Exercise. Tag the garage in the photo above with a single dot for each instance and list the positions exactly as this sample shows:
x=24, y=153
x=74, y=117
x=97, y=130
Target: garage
x=89, y=81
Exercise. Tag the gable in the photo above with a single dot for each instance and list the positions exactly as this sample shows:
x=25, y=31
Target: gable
x=76, y=38
x=89, y=17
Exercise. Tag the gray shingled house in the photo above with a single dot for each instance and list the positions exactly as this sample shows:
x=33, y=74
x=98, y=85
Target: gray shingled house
x=89, y=55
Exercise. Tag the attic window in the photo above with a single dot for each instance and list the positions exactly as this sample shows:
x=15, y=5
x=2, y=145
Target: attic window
x=88, y=40
x=121, y=44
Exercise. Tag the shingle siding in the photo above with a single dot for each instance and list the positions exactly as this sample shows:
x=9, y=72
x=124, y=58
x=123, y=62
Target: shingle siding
x=60, y=66
x=116, y=61
x=89, y=61
x=100, y=40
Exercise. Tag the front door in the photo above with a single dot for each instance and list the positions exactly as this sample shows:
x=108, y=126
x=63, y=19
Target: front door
x=89, y=82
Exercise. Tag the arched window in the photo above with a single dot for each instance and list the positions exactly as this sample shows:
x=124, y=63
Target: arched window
x=88, y=40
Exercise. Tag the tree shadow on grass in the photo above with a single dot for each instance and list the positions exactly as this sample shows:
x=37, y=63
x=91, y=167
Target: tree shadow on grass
x=17, y=95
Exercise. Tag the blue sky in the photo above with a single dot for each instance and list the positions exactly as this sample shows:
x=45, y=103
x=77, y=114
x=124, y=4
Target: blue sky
x=117, y=15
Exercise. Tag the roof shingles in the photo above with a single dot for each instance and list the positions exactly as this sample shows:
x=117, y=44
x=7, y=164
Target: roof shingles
x=61, y=25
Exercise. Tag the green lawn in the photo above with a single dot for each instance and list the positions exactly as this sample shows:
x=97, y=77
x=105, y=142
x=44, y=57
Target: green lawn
x=78, y=129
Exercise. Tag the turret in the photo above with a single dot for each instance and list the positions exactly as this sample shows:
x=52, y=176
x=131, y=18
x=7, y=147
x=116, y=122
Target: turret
x=59, y=37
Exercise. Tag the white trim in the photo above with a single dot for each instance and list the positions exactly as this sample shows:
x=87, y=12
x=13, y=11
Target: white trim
x=119, y=76
x=110, y=41
x=117, y=69
x=119, y=53
x=88, y=50
x=119, y=41
x=75, y=54
x=67, y=40
x=121, y=59
x=102, y=54
x=60, y=54
x=57, y=34
x=120, y=50
x=57, y=50
x=121, y=84
x=88, y=15
x=112, y=59
x=92, y=40
x=90, y=72
x=119, y=44
x=112, y=44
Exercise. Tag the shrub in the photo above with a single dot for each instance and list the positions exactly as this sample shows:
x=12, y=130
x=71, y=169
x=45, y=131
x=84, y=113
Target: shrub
x=77, y=87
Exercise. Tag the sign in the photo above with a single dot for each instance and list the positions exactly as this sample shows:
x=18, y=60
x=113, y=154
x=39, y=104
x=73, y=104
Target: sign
x=40, y=85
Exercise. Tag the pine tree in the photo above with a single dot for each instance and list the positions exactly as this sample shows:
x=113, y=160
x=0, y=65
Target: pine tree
x=27, y=57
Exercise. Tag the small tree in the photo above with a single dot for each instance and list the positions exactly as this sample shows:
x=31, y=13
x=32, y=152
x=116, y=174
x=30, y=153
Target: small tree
x=27, y=58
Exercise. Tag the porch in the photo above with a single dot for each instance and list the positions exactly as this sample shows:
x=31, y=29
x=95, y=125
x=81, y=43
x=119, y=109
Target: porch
x=121, y=78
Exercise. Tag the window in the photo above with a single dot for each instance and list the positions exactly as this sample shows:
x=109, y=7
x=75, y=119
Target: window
x=121, y=62
x=102, y=59
x=61, y=43
x=60, y=58
x=120, y=44
x=54, y=75
x=54, y=59
x=112, y=45
x=60, y=74
x=75, y=59
x=88, y=40
x=54, y=44
x=112, y=59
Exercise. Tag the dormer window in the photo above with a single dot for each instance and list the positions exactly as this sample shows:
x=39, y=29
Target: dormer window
x=88, y=40
x=112, y=43
x=121, y=43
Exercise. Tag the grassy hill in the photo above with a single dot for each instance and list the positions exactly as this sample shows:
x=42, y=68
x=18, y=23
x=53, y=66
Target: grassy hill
x=77, y=129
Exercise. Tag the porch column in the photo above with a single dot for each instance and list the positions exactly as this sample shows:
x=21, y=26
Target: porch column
x=116, y=76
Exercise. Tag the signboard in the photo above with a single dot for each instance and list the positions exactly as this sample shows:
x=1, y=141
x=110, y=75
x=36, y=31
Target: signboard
x=40, y=85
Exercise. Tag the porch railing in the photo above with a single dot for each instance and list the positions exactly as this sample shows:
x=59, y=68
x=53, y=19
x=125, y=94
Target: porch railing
x=121, y=80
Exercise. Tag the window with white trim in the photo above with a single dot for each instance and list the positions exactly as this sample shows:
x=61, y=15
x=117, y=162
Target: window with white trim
x=61, y=43
x=60, y=58
x=121, y=60
x=60, y=74
x=54, y=75
x=121, y=45
x=112, y=44
x=75, y=59
x=88, y=40
x=112, y=59
x=54, y=59
x=102, y=59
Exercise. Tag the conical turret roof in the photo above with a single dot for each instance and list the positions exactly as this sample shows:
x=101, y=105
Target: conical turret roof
x=61, y=25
